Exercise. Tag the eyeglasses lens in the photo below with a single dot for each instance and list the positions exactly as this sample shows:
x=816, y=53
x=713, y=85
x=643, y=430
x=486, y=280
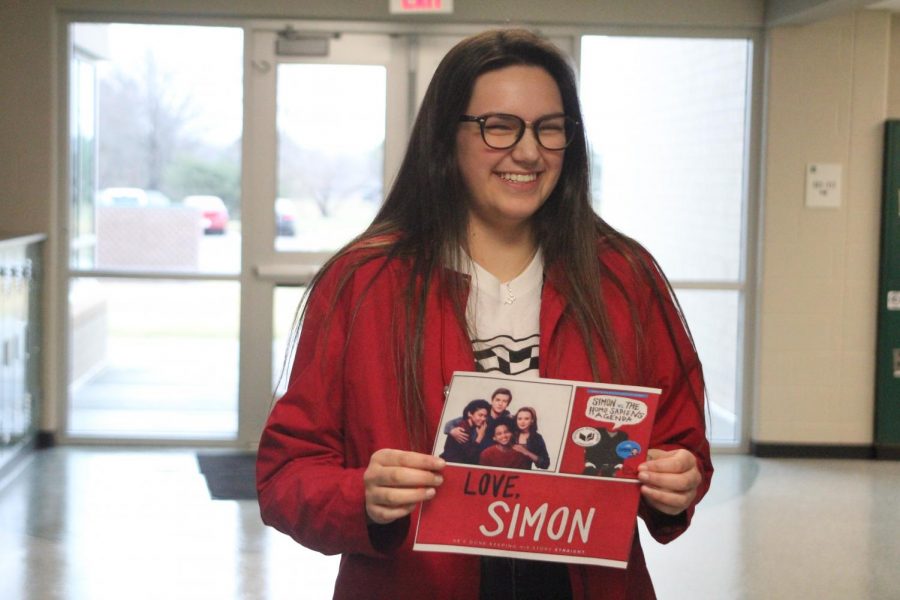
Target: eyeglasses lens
x=553, y=133
x=503, y=131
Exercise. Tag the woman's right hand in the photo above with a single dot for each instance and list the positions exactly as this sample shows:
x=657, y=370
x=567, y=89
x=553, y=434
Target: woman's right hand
x=479, y=432
x=397, y=480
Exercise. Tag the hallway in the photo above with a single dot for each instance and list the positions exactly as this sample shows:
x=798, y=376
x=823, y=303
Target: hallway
x=84, y=523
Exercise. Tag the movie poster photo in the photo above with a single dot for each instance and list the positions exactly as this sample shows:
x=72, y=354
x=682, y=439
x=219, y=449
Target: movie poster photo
x=538, y=468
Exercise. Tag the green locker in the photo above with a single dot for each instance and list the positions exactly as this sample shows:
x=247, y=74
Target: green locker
x=887, y=378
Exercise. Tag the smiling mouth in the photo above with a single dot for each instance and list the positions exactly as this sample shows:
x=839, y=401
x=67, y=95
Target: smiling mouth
x=518, y=177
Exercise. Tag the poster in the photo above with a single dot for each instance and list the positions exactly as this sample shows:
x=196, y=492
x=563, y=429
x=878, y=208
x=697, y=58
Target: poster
x=567, y=493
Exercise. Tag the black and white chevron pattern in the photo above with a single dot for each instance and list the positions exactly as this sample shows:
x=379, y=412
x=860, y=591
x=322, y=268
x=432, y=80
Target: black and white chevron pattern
x=507, y=355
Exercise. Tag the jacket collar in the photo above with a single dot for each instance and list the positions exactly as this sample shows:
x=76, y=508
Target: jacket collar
x=553, y=304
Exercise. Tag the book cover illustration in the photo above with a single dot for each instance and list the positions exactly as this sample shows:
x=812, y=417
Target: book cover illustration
x=542, y=469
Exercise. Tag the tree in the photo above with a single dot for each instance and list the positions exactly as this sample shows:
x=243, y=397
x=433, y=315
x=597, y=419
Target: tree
x=142, y=118
x=328, y=178
x=189, y=174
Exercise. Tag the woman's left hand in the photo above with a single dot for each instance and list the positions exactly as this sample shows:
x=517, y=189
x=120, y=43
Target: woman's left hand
x=669, y=480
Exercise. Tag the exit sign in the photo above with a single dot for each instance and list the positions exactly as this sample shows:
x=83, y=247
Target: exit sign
x=421, y=6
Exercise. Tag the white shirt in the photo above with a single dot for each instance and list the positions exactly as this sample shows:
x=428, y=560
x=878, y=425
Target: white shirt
x=505, y=318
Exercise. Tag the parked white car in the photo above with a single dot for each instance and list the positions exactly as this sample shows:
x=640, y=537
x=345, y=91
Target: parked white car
x=131, y=196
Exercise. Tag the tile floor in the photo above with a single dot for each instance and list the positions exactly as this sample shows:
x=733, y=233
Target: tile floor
x=81, y=523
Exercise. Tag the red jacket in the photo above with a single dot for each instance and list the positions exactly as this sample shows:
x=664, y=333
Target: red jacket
x=342, y=404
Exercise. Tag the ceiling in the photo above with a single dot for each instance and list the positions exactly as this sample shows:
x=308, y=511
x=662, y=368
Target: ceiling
x=892, y=5
x=799, y=12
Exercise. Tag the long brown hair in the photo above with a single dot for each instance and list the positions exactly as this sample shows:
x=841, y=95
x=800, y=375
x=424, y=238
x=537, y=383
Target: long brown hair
x=424, y=217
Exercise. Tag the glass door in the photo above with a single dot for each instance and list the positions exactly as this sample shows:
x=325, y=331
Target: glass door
x=327, y=121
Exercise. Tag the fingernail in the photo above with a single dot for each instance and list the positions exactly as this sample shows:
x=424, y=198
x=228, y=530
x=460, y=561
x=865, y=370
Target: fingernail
x=438, y=480
x=429, y=493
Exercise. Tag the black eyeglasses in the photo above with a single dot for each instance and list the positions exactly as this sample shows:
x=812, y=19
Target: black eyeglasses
x=501, y=131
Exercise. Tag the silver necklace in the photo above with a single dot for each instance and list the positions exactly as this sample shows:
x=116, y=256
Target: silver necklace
x=510, y=297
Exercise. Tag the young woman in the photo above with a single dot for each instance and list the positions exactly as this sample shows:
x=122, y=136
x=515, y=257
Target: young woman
x=474, y=425
x=528, y=441
x=501, y=453
x=487, y=227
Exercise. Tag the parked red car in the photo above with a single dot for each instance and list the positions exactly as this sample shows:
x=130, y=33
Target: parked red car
x=213, y=212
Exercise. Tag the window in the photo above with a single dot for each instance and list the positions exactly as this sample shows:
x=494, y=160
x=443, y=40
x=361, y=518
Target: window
x=155, y=231
x=666, y=123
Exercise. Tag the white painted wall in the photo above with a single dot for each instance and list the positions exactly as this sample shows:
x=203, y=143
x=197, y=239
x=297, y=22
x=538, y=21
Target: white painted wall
x=826, y=102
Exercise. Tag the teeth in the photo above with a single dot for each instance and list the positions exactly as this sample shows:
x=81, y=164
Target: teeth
x=518, y=177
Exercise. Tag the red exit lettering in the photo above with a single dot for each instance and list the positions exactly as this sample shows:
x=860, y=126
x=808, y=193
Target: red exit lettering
x=420, y=4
